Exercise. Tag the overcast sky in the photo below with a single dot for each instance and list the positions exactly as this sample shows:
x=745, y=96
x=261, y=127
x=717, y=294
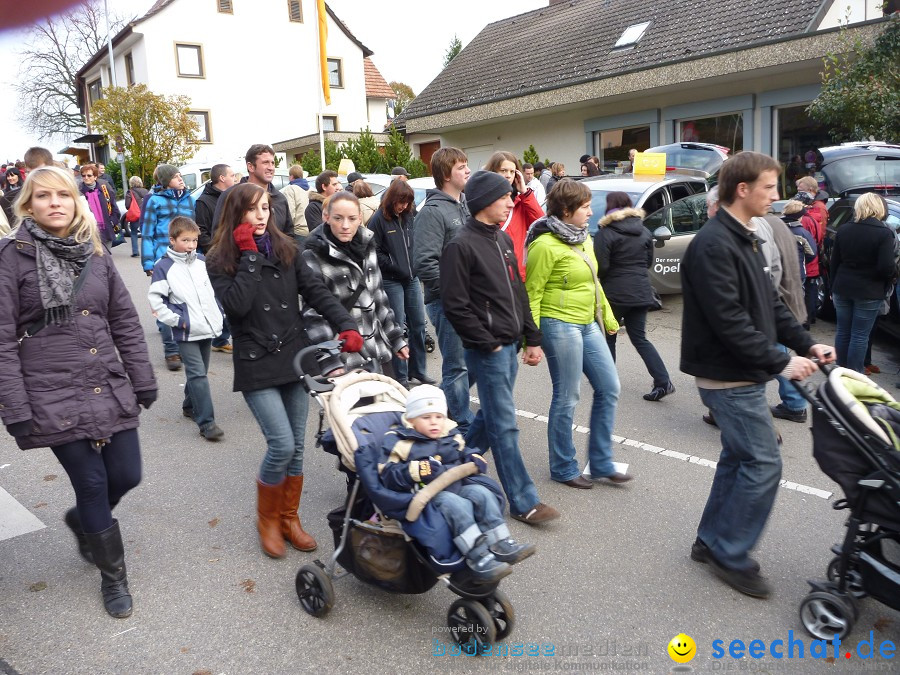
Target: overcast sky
x=409, y=38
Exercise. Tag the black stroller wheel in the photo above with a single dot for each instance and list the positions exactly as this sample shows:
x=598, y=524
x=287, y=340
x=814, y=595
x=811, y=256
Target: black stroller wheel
x=854, y=578
x=314, y=590
x=471, y=626
x=501, y=611
x=825, y=615
x=429, y=342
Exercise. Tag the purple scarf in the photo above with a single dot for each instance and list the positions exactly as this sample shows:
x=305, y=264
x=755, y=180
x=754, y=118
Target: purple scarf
x=93, y=199
x=264, y=244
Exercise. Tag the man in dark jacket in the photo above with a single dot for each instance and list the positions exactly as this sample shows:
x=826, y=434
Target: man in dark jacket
x=733, y=319
x=327, y=183
x=260, y=171
x=485, y=300
x=440, y=218
x=221, y=177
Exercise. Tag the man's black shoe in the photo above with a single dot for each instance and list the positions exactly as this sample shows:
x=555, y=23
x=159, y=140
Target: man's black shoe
x=747, y=582
x=423, y=379
x=700, y=553
x=782, y=412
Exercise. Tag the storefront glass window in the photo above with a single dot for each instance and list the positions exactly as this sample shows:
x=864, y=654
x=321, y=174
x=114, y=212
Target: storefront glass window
x=799, y=139
x=613, y=145
x=724, y=130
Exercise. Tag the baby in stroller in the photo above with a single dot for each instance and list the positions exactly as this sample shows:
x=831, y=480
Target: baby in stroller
x=425, y=447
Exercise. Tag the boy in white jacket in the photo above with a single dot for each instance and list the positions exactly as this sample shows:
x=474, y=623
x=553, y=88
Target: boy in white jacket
x=181, y=296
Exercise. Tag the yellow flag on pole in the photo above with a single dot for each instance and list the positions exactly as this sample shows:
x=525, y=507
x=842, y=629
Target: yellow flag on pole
x=323, y=58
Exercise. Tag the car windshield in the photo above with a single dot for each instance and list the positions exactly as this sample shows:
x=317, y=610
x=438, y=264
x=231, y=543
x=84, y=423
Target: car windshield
x=690, y=156
x=598, y=206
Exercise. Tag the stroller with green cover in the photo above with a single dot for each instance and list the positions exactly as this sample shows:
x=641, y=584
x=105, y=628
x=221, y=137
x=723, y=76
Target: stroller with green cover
x=856, y=442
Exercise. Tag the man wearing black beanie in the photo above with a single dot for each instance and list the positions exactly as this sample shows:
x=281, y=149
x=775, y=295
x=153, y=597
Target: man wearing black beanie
x=485, y=300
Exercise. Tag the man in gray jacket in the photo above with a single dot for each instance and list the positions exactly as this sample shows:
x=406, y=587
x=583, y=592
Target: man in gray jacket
x=440, y=218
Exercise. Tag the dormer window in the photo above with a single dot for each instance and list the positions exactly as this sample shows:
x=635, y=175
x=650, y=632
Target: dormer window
x=632, y=35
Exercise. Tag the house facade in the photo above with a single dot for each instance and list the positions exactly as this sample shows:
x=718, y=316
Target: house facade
x=633, y=75
x=250, y=69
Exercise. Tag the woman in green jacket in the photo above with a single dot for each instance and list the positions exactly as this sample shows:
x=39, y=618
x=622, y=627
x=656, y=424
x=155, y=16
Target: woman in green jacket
x=567, y=302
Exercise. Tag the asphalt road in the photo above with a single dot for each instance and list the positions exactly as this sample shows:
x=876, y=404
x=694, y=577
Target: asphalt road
x=611, y=583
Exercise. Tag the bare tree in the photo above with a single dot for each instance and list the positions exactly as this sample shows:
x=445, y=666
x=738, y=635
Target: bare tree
x=53, y=51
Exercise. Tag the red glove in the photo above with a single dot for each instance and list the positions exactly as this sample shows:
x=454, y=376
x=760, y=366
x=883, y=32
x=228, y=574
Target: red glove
x=353, y=341
x=243, y=237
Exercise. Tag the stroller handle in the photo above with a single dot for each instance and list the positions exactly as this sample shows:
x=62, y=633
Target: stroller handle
x=307, y=365
x=808, y=391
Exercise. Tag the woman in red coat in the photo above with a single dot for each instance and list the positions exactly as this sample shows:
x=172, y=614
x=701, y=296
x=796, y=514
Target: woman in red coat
x=525, y=208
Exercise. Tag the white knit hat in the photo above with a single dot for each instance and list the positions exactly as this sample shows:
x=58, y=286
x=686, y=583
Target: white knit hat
x=425, y=398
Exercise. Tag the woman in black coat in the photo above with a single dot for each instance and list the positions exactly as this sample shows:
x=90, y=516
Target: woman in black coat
x=392, y=225
x=61, y=295
x=139, y=192
x=862, y=268
x=624, y=250
x=258, y=274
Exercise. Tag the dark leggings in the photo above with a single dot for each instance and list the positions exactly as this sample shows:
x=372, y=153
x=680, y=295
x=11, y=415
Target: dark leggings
x=101, y=479
x=636, y=326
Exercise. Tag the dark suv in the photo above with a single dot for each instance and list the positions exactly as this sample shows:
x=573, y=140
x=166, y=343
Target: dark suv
x=854, y=168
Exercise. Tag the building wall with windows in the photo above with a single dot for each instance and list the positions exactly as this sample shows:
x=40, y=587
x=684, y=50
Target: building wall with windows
x=252, y=73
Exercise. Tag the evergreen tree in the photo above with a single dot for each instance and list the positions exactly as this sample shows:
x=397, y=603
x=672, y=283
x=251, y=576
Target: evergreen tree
x=454, y=49
x=397, y=151
x=530, y=156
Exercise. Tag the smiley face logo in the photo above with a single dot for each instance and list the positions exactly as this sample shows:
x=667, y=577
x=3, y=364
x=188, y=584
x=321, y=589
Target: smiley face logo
x=682, y=648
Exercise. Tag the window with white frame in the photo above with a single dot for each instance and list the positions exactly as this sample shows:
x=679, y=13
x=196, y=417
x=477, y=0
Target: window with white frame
x=189, y=60
x=204, y=135
x=632, y=35
x=95, y=90
x=129, y=69
x=329, y=123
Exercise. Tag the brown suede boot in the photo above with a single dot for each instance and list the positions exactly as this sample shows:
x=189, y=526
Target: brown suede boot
x=268, y=508
x=291, y=529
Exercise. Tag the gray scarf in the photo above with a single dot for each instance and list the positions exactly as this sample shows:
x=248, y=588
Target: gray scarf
x=59, y=262
x=569, y=234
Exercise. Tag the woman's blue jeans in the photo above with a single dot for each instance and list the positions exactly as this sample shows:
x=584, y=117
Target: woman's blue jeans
x=855, y=319
x=573, y=349
x=281, y=415
x=405, y=298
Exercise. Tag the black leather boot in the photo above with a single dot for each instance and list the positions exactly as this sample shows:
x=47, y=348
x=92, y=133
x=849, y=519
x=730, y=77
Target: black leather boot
x=73, y=522
x=109, y=556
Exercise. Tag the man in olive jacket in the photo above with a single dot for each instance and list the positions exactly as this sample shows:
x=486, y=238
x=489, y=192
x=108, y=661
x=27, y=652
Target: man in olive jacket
x=733, y=319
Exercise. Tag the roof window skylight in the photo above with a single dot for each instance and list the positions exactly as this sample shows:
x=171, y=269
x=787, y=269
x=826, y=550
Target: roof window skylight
x=631, y=35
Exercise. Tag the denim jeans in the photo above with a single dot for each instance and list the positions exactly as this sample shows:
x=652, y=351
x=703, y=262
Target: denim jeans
x=222, y=338
x=788, y=393
x=101, y=479
x=470, y=513
x=405, y=298
x=635, y=323
x=197, y=396
x=281, y=415
x=135, y=243
x=573, y=349
x=747, y=474
x=811, y=295
x=456, y=378
x=170, y=347
x=494, y=427
x=855, y=319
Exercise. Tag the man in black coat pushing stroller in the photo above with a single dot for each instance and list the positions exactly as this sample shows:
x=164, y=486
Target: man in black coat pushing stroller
x=427, y=446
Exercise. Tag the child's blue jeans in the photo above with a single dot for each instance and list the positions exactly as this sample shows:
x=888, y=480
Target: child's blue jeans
x=470, y=513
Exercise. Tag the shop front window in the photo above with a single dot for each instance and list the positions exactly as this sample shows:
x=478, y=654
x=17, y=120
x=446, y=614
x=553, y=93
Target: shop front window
x=613, y=145
x=724, y=130
x=799, y=139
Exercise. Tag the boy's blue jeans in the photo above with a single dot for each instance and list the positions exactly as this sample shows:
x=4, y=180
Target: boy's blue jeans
x=470, y=513
x=197, y=396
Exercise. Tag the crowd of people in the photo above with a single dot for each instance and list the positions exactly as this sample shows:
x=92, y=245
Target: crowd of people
x=507, y=276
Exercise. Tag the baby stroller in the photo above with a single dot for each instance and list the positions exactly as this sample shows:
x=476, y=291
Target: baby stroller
x=855, y=425
x=359, y=408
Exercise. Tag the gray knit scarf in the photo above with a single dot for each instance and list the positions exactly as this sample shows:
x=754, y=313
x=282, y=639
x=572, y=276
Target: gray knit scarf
x=570, y=234
x=59, y=262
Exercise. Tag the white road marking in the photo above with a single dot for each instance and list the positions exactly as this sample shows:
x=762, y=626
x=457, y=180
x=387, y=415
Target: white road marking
x=16, y=518
x=127, y=630
x=672, y=454
x=3, y=466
